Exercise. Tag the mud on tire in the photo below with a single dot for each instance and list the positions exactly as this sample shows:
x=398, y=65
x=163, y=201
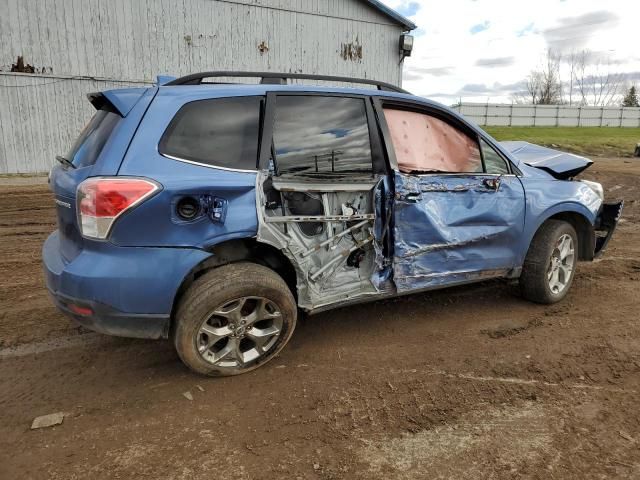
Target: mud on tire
x=234, y=319
x=543, y=256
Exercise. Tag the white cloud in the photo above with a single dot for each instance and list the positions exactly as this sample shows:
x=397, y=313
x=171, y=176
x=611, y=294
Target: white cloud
x=454, y=51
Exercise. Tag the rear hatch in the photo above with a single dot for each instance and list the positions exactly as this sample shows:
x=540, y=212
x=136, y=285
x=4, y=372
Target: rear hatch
x=90, y=149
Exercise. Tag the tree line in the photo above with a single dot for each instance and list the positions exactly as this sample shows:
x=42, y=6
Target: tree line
x=578, y=78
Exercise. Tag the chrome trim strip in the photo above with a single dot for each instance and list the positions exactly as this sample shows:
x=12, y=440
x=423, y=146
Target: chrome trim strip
x=207, y=165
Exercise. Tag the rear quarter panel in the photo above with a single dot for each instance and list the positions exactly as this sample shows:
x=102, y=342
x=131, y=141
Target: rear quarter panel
x=154, y=222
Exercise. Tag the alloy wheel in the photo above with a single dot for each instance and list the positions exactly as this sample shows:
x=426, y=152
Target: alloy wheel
x=239, y=331
x=561, y=264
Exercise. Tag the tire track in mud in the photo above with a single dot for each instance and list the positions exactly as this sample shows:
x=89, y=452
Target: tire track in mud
x=60, y=343
x=27, y=216
x=90, y=340
x=409, y=388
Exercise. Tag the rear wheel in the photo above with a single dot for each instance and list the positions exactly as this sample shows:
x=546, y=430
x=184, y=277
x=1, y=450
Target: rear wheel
x=234, y=319
x=550, y=264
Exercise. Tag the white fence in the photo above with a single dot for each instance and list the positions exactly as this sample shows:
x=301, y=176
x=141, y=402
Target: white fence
x=549, y=115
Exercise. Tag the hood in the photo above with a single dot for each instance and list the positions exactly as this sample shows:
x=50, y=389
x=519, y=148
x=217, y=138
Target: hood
x=561, y=165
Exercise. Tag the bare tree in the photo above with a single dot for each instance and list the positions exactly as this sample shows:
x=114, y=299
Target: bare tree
x=521, y=97
x=597, y=84
x=590, y=78
x=551, y=88
x=580, y=76
x=534, y=85
x=572, y=61
x=544, y=86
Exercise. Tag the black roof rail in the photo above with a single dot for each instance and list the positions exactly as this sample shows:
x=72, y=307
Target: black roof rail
x=281, y=79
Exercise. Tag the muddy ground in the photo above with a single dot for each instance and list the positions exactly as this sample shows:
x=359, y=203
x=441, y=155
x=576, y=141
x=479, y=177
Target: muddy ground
x=466, y=383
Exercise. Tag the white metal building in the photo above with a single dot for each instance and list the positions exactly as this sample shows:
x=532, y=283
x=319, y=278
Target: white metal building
x=72, y=47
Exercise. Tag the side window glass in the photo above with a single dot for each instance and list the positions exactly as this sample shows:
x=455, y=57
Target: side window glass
x=493, y=162
x=221, y=132
x=321, y=137
x=425, y=144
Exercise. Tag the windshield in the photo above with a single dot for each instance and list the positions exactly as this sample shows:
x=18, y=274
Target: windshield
x=94, y=135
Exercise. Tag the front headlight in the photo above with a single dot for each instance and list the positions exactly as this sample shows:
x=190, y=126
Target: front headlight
x=596, y=187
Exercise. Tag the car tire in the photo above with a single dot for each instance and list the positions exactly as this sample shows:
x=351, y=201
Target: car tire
x=550, y=264
x=234, y=319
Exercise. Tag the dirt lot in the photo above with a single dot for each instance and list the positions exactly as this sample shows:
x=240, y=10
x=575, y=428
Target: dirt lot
x=465, y=383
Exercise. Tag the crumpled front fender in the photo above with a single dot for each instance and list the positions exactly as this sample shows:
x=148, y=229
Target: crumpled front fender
x=606, y=224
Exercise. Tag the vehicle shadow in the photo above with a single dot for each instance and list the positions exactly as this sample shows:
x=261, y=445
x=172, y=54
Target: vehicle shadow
x=110, y=371
x=404, y=311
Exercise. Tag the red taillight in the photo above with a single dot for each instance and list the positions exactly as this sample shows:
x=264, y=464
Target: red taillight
x=102, y=200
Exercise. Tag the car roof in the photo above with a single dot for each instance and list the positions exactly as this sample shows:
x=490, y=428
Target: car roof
x=183, y=94
x=218, y=90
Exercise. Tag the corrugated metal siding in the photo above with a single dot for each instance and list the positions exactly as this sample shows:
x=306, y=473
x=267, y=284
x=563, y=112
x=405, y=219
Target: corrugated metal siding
x=133, y=40
x=136, y=39
x=41, y=116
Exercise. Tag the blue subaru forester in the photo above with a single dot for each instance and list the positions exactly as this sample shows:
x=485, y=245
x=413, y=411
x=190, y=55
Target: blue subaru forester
x=212, y=213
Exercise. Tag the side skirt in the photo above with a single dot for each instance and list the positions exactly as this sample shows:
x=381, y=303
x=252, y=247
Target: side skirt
x=481, y=276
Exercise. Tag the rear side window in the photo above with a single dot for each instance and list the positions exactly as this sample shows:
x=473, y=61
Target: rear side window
x=322, y=137
x=221, y=132
x=94, y=135
x=425, y=144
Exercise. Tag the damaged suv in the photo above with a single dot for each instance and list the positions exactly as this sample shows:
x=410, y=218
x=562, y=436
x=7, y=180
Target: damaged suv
x=212, y=214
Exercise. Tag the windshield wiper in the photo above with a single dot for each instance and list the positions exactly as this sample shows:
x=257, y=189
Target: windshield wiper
x=65, y=161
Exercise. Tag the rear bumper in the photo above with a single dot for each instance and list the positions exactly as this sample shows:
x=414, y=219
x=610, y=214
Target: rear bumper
x=606, y=224
x=107, y=320
x=129, y=291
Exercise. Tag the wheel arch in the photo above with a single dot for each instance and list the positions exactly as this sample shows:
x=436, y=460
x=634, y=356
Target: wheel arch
x=584, y=230
x=580, y=219
x=234, y=251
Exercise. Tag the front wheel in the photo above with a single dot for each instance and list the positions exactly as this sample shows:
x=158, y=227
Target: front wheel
x=550, y=264
x=234, y=319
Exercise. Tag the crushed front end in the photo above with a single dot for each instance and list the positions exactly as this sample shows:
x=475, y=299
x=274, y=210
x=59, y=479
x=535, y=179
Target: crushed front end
x=606, y=224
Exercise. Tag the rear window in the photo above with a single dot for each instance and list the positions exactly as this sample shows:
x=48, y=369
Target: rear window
x=222, y=132
x=94, y=135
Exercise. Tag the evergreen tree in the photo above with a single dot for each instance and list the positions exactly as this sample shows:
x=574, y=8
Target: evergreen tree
x=631, y=98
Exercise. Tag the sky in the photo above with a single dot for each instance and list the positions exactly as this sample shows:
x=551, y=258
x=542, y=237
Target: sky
x=483, y=50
